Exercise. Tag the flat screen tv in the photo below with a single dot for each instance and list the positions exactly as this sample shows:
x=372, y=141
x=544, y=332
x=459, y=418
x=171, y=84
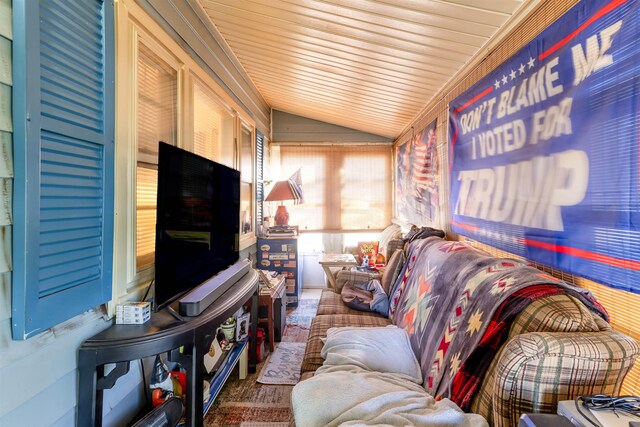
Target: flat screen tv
x=198, y=222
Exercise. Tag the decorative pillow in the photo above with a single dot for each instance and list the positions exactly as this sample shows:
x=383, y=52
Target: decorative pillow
x=372, y=348
x=391, y=271
x=369, y=249
x=390, y=233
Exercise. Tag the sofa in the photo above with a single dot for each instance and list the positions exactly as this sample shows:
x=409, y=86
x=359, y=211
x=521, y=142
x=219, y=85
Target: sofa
x=495, y=335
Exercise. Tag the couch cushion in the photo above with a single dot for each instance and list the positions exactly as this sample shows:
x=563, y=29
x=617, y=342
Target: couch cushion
x=331, y=303
x=392, y=269
x=312, y=359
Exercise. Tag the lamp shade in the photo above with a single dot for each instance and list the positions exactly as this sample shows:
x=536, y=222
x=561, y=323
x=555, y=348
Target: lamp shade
x=280, y=191
x=289, y=189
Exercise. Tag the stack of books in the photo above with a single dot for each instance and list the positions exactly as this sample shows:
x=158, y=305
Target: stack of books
x=133, y=313
x=282, y=230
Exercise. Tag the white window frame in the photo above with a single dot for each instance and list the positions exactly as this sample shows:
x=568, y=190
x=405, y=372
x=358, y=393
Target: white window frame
x=247, y=239
x=133, y=24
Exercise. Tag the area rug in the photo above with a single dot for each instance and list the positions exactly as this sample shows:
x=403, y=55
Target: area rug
x=300, y=320
x=283, y=366
x=251, y=424
x=243, y=402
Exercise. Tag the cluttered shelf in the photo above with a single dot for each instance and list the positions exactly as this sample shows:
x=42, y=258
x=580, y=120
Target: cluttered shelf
x=121, y=344
x=238, y=354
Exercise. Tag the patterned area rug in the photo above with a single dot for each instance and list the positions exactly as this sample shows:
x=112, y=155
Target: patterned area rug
x=283, y=366
x=243, y=402
x=304, y=313
x=250, y=424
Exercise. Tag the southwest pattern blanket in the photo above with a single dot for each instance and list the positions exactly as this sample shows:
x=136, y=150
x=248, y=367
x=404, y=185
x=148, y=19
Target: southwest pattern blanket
x=446, y=297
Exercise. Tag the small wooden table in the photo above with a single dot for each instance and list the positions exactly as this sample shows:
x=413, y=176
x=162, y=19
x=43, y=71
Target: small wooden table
x=268, y=301
x=335, y=260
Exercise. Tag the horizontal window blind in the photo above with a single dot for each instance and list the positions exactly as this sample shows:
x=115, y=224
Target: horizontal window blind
x=146, y=214
x=259, y=177
x=207, y=122
x=345, y=188
x=157, y=87
x=246, y=174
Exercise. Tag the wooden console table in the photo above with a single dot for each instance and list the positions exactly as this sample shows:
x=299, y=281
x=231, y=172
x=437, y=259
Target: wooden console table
x=120, y=344
x=270, y=301
x=335, y=260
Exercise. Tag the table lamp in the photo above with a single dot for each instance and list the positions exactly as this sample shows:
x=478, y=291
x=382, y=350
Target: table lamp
x=289, y=189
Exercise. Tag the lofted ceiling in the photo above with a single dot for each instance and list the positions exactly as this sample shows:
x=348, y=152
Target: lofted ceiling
x=371, y=65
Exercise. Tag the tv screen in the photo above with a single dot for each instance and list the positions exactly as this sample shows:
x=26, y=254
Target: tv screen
x=197, y=224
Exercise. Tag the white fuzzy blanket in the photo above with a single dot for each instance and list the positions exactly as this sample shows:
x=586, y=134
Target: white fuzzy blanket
x=351, y=396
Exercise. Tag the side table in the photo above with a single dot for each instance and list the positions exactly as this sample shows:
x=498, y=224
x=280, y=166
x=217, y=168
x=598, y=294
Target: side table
x=269, y=298
x=335, y=260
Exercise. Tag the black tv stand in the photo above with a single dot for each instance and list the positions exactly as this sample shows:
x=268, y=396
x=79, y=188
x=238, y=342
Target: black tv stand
x=121, y=344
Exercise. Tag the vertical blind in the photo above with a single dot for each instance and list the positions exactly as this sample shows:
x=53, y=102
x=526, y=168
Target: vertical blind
x=157, y=88
x=345, y=188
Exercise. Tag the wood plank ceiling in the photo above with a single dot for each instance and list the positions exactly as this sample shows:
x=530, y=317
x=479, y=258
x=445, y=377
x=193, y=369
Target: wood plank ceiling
x=370, y=65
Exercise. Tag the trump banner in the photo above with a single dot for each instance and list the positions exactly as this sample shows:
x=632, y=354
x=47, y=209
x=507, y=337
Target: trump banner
x=544, y=160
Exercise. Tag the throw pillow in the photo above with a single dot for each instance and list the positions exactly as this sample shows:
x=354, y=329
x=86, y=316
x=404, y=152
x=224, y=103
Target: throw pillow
x=368, y=249
x=372, y=348
x=391, y=271
x=390, y=233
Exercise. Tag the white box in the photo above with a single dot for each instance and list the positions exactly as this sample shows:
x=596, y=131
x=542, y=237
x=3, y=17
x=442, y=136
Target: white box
x=134, y=307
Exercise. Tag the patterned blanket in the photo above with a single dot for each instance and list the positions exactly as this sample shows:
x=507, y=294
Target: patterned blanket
x=446, y=297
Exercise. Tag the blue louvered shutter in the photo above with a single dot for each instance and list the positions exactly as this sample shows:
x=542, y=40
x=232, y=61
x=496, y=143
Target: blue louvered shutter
x=64, y=124
x=259, y=177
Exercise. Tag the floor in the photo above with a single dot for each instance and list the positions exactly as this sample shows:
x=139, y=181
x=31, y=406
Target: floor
x=246, y=403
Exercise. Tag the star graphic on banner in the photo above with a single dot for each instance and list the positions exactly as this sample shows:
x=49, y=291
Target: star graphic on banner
x=521, y=69
x=497, y=84
x=512, y=74
x=475, y=322
x=455, y=364
x=504, y=79
x=531, y=62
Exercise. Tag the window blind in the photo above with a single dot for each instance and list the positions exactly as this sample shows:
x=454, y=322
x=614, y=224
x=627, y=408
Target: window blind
x=207, y=122
x=246, y=175
x=157, y=86
x=259, y=177
x=345, y=188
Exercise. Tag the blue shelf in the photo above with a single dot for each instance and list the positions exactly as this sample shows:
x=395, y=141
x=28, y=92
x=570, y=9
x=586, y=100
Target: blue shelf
x=223, y=372
x=230, y=361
